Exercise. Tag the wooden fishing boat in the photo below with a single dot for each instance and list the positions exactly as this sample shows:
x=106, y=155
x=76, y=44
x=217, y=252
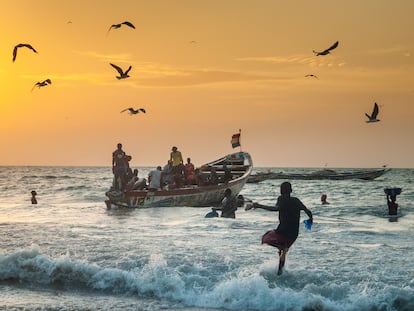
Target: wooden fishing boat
x=321, y=174
x=240, y=164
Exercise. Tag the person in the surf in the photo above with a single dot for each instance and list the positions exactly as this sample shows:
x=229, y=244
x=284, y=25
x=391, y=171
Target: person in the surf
x=289, y=216
x=34, y=194
x=229, y=205
x=392, y=205
x=324, y=198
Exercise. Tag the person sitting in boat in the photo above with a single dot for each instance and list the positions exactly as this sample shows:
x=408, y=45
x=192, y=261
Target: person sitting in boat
x=155, y=179
x=136, y=183
x=140, y=184
x=167, y=174
x=132, y=180
x=392, y=205
x=189, y=173
x=228, y=205
x=201, y=179
x=324, y=197
x=213, y=178
x=178, y=181
x=227, y=174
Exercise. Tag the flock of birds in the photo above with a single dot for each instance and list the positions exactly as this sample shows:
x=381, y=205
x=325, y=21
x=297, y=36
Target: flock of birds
x=125, y=74
x=122, y=74
x=373, y=116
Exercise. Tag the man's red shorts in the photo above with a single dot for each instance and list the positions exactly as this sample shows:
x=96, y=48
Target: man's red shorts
x=276, y=240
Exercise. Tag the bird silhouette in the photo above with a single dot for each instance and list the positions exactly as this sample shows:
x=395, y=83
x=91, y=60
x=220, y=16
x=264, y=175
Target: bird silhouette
x=19, y=46
x=373, y=117
x=311, y=75
x=327, y=51
x=116, y=26
x=43, y=83
x=133, y=111
x=122, y=74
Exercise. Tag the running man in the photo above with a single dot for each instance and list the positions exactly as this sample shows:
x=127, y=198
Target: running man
x=287, y=231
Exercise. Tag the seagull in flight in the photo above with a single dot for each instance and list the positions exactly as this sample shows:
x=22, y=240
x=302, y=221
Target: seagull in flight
x=43, y=83
x=122, y=74
x=116, y=26
x=327, y=51
x=373, y=117
x=133, y=111
x=19, y=46
x=311, y=75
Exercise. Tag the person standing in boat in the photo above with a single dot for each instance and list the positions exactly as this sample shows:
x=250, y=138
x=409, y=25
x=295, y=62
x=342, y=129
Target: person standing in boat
x=287, y=231
x=119, y=167
x=177, y=161
x=189, y=173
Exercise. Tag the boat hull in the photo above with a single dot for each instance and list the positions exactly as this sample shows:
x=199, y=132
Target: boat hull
x=195, y=196
x=330, y=175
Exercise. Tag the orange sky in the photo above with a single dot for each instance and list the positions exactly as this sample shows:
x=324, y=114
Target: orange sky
x=246, y=70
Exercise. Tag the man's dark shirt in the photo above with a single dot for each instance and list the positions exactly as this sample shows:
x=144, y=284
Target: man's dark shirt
x=289, y=216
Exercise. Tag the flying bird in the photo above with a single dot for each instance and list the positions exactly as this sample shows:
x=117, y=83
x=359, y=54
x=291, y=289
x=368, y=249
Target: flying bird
x=43, y=83
x=19, y=46
x=311, y=75
x=122, y=74
x=326, y=52
x=133, y=111
x=373, y=117
x=116, y=26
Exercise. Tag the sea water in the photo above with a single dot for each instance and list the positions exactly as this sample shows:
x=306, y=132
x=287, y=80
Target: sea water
x=69, y=252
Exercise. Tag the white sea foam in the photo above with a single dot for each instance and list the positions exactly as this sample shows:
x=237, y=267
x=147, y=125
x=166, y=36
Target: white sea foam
x=70, y=252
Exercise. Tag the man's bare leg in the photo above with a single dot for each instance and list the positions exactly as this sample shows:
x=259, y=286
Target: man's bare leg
x=282, y=258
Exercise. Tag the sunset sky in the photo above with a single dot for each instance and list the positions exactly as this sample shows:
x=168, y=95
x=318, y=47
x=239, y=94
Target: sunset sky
x=203, y=70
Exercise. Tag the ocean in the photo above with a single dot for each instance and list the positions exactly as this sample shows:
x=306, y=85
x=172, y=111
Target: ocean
x=69, y=252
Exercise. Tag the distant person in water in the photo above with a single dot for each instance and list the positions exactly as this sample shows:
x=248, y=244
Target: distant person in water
x=34, y=194
x=324, y=197
x=228, y=205
x=287, y=231
x=392, y=205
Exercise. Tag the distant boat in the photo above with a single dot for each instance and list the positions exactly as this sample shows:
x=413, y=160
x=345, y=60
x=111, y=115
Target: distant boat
x=240, y=164
x=321, y=174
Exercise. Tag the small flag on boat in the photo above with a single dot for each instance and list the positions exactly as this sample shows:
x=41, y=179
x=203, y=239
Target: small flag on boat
x=235, y=140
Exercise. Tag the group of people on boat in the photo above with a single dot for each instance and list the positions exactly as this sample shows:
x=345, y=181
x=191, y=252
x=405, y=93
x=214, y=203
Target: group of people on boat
x=175, y=174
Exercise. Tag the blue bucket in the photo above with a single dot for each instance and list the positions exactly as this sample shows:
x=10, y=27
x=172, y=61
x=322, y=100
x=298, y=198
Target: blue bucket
x=308, y=224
